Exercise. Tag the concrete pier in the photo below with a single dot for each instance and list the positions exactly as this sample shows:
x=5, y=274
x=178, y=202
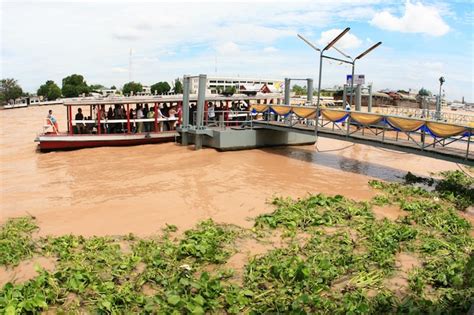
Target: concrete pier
x=242, y=138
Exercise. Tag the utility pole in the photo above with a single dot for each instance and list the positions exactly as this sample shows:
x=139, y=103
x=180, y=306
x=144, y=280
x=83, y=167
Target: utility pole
x=438, y=103
x=130, y=66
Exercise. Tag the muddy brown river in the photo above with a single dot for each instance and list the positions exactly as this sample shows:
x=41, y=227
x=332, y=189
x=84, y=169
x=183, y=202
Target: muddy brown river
x=117, y=190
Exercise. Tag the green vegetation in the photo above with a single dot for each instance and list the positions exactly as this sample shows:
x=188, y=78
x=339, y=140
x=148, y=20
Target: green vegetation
x=132, y=87
x=96, y=87
x=9, y=90
x=335, y=256
x=74, y=86
x=50, y=91
x=16, y=242
x=178, y=86
x=228, y=91
x=424, y=92
x=160, y=88
x=298, y=90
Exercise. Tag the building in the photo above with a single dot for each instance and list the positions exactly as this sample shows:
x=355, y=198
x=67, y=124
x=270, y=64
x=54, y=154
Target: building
x=107, y=92
x=216, y=84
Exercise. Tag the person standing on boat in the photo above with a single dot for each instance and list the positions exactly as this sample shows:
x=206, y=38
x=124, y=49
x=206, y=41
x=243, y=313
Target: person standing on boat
x=172, y=117
x=146, y=124
x=211, y=113
x=140, y=116
x=149, y=115
x=52, y=121
x=80, y=126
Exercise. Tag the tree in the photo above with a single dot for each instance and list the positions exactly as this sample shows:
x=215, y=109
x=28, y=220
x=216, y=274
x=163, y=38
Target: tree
x=229, y=90
x=49, y=90
x=9, y=90
x=74, y=85
x=298, y=90
x=130, y=87
x=160, y=88
x=113, y=87
x=424, y=92
x=96, y=87
x=178, y=87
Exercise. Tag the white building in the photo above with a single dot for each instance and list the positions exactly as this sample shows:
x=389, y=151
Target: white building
x=220, y=83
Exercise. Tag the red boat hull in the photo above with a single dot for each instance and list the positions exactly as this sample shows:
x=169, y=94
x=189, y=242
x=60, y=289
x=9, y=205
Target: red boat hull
x=69, y=142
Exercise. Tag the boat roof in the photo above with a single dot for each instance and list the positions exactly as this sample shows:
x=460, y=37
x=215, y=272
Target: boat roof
x=165, y=99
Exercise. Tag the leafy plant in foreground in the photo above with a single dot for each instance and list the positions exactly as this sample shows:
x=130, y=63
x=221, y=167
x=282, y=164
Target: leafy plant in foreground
x=16, y=242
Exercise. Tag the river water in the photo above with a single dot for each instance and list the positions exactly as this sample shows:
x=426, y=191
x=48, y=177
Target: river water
x=117, y=190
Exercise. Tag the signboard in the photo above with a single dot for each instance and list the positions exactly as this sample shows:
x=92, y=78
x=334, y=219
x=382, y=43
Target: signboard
x=358, y=79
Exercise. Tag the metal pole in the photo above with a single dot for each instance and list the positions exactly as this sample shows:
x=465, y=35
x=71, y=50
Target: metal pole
x=369, y=104
x=185, y=105
x=287, y=91
x=358, y=99
x=352, y=82
x=438, y=105
x=310, y=89
x=468, y=143
x=201, y=99
x=128, y=119
x=319, y=94
x=344, y=96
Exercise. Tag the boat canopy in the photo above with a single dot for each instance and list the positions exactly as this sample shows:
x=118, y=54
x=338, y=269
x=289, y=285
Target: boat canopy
x=165, y=99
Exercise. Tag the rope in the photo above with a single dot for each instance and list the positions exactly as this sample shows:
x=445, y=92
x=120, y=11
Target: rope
x=316, y=146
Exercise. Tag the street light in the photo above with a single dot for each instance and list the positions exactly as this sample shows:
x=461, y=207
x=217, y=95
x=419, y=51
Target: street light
x=438, y=107
x=321, y=56
x=353, y=66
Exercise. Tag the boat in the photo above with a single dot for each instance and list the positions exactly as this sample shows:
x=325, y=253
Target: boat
x=13, y=106
x=95, y=130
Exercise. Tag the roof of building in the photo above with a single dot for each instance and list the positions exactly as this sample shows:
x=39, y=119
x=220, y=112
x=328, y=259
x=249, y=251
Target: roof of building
x=380, y=94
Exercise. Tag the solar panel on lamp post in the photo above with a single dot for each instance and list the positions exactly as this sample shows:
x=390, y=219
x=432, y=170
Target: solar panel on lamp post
x=321, y=56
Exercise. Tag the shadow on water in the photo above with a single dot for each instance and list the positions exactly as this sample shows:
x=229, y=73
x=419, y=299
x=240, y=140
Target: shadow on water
x=335, y=161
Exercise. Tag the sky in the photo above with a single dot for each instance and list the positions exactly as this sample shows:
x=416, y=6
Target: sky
x=422, y=40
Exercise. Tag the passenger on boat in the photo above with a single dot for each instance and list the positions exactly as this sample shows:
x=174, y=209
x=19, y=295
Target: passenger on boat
x=110, y=125
x=131, y=115
x=81, y=127
x=179, y=112
x=172, y=116
x=211, y=113
x=161, y=116
x=192, y=113
x=149, y=125
x=140, y=116
x=52, y=121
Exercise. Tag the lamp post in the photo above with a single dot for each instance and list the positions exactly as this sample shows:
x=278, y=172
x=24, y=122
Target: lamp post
x=353, y=65
x=438, y=105
x=321, y=56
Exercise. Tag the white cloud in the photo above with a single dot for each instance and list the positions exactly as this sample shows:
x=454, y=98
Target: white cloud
x=270, y=49
x=348, y=41
x=186, y=38
x=417, y=18
x=228, y=48
x=119, y=70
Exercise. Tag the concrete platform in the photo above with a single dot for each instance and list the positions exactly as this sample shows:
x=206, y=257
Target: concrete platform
x=245, y=138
